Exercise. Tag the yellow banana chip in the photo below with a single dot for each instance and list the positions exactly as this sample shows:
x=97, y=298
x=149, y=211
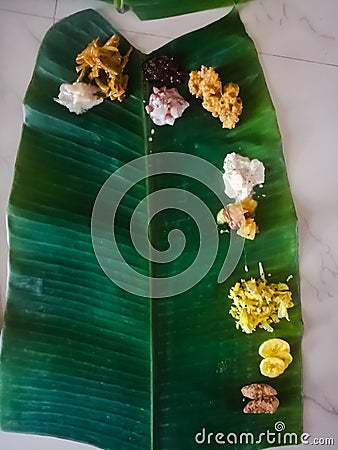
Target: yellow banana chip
x=272, y=367
x=286, y=357
x=277, y=357
x=273, y=348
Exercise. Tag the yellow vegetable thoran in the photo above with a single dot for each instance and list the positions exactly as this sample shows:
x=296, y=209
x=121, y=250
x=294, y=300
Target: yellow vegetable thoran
x=104, y=66
x=258, y=304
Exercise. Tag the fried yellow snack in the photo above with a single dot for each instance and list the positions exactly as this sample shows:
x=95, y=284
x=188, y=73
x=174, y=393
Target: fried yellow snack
x=222, y=102
x=104, y=66
x=273, y=347
x=248, y=229
x=205, y=83
x=286, y=357
x=272, y=367
x=230, y=106
x=239, y=216
x=277, y=357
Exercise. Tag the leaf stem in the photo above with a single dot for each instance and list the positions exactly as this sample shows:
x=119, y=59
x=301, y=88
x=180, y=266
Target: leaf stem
x=120, y=6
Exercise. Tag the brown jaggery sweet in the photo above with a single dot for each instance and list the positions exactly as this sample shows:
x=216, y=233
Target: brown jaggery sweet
x=263, y=405
x=258, y=390
x=263, y=399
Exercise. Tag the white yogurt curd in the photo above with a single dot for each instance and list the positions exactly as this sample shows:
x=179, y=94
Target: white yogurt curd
x=241, y=175
x=78, y=97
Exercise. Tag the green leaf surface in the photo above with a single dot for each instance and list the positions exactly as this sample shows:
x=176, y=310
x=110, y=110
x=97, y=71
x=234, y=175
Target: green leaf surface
x=85, y=360
x=157, y=9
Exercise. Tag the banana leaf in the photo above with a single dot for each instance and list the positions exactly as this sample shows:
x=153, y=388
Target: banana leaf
x=112, y=363
x=157, y=9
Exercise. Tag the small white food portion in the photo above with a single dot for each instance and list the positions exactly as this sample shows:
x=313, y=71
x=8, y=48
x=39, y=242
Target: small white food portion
x=241, y=175
x=78, y=97
x=165, y=106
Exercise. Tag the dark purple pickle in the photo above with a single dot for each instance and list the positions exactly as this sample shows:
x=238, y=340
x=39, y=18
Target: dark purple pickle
x=163, y=71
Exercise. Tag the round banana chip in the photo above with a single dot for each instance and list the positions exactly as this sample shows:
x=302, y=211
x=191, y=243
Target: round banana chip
x=272, y=367
x=273, y=348
x=286, y=357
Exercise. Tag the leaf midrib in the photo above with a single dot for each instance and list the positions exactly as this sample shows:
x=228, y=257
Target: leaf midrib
x=149, y=188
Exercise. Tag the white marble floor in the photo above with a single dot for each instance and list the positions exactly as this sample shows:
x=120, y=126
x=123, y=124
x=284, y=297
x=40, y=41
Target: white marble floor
x=297, y=41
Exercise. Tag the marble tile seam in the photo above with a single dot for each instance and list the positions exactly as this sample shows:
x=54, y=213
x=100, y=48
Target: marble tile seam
x=27, y=14
x=55, y=11
x=293, y=58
